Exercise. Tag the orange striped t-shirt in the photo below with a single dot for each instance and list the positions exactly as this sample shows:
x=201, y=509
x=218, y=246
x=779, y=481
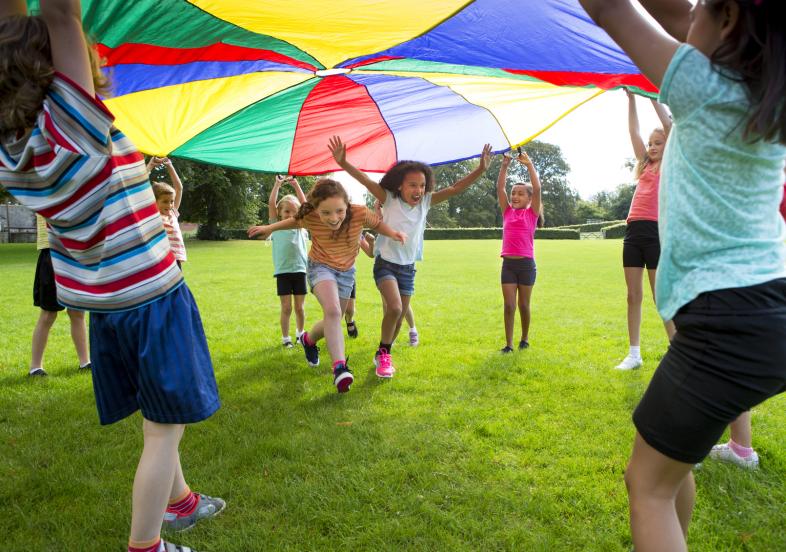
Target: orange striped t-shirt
x=339, y=252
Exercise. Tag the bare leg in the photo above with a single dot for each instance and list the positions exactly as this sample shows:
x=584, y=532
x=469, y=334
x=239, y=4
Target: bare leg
x=633, y=281
x=525, y=293
x=40, y=337
x=409, y=315
x=349, y=312
x=300, y=312
x=509, y=309
x=393, y=309
x=79, y=335
x=741, y=431
x=405, y=299
x=286, y=313
x=330, y=326
x=667, y=324
x=155, y=478
x=179, y=484
x=661, y=492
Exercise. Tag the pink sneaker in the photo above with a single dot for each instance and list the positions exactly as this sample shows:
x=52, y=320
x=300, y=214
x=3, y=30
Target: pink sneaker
x=384, y=364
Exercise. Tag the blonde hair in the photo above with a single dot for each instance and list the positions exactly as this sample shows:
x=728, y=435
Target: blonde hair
x=162, y=189
x=290, y=198
x=26, y=71
x=642, y=163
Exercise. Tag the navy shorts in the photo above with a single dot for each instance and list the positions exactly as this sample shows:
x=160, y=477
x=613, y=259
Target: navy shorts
x=155, y=359
x=729, y=354
x=521, y=272
x=404, y=275
x=291, y=283
x=44, y=288
x=641, y=245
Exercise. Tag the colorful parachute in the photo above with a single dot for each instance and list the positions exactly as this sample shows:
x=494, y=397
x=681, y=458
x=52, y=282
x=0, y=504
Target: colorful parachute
x=262, y=85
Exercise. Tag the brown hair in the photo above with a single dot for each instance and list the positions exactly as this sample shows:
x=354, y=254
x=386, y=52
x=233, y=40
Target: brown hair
x=326, y=188
x=754, y=54
x=530, y=191
x=393, y=179
x=642, y=163
x=26, y=71
x=162, y=189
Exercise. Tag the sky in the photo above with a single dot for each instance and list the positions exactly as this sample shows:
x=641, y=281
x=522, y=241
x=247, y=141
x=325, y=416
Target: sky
x=594, y=140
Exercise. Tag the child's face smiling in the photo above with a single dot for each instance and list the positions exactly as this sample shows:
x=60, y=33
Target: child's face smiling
x=165, y=203
x=332, y=211
x=519, y=197
x=413, y=188
x=655, y=146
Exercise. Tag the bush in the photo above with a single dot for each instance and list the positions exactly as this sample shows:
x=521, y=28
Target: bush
x=557, y=234
x=615, y=231
x=215, y=233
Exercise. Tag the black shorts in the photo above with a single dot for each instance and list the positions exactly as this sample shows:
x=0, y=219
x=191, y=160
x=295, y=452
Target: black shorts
x=518, y=271
x=729, y=354
x=291, y=283
x=44, y=289
x=641, y=246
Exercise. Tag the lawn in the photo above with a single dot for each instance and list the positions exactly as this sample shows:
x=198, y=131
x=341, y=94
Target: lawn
x=465, y=449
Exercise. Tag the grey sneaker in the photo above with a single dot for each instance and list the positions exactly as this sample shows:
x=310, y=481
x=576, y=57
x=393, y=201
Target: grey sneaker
x=170, y=547
x=207, y=507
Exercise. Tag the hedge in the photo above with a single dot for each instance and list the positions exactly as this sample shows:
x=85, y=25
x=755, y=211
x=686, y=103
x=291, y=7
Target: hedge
x=593, y=227
x=441, y=234
x=614, y=232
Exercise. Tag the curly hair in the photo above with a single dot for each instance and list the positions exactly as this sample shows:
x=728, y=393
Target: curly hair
x=754, y=54
x=326, y=188
x=26, y=71
x=394, y=178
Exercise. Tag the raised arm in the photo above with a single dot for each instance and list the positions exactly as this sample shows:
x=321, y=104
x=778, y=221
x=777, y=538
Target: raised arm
x=502, y=195
x=298, y=191
x=644, y=42
x=639, y=149
x=672, y=15
x=263, y=231
x=466, y=182
x=272, y=212
x=663, y=115
x=69, y=48
x=534, y=179
x=339, y=151
x=177, y=184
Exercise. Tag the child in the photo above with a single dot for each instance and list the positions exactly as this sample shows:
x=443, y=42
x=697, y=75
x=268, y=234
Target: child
x=62, y=157
x=45, y=297
x=366, y=243
x=168, y=200
x=521, y=216
x=406, y=195
x=335, y=225
x=721, y=274
x=641, y=246
x=289, y=258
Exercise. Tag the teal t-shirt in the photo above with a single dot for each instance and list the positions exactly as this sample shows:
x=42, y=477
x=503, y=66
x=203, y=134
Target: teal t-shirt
x=719, y=194
x=289, y=251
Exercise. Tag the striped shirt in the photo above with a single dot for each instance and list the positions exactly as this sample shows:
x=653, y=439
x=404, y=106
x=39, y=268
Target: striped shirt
x=110, y=251
x=172, y=227
x=41, y=233
x=339, y=252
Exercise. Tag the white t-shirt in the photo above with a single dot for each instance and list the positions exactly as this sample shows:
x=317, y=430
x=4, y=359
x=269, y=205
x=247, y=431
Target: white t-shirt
x=400, y=216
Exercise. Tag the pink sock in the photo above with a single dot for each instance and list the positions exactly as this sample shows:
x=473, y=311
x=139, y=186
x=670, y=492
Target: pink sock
x=337, y=363
x=307, y=339
x=739, y=450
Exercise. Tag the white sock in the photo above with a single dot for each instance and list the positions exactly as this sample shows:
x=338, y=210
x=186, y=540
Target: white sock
x=298, y=333
x=635, y=351
x=413, y=329
x=85, y=364
x=34, y=369
x=286, y=339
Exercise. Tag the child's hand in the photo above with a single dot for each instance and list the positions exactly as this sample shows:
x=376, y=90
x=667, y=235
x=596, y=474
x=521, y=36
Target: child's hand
x=292, y=181
x=338, y=150
x=524, y=159
x=400, y=236
x=370, y=238
x=485, y=157
x=506, y=160
x=280, y=179
x=377, y=207
x=629, y=93
x=258, y=232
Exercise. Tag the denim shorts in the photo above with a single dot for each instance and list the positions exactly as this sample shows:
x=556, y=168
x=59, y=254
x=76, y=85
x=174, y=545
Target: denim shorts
x=404, y=275
x=345, y=279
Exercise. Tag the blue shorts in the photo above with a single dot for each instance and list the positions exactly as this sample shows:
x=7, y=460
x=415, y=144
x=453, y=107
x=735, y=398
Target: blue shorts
x=404, y=275
x=154, y=359
x=345, y=279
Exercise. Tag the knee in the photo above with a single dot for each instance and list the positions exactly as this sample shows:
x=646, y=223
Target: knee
x=286, y=310
x=635, y=297
x=510, y=308
x=300, y=309
x=48, y=317
x=77, y=317
x=395, y=311
x=332, y=313
x=162, y=432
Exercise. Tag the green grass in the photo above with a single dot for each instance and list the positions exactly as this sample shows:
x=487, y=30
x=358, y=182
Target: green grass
x=463, y=450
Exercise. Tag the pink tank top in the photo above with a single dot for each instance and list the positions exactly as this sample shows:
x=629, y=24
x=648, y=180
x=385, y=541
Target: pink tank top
x=645, y=199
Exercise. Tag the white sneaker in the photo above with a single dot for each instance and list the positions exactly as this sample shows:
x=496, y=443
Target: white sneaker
x=629, y=363
x=724, y=453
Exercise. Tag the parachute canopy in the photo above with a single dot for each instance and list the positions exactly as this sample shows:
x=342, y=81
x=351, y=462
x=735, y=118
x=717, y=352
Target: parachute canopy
x=262, y=85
